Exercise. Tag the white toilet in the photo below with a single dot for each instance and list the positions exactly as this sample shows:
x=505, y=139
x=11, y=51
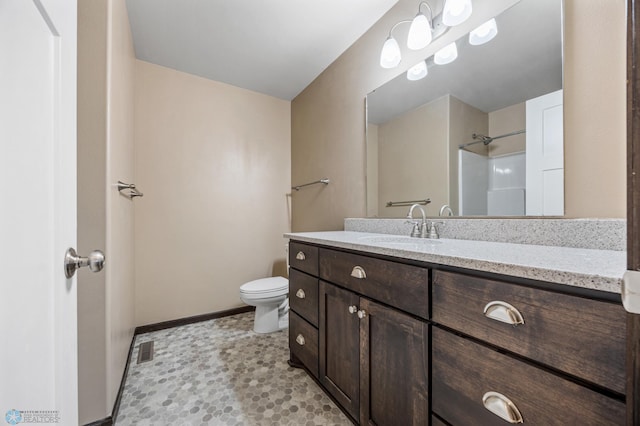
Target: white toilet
x=270, y=297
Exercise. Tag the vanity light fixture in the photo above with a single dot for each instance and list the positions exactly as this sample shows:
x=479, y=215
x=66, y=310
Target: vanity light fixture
x=484, y=33
x=418, y=71
x=424, y=29
x=455, y=12
x=420, y=31
x=446, y=55
x=390, y=55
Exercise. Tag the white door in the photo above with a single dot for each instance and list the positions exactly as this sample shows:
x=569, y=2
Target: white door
x=545, y=156
x=38, y=349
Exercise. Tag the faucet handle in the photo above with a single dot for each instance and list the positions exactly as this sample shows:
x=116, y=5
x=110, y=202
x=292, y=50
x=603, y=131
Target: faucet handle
x=416, y=231
x=433, y=231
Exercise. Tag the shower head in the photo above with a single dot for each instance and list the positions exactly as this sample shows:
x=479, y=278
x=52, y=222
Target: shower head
x=486, y=140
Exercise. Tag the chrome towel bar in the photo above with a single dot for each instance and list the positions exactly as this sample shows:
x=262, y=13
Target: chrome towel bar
x=132, y=190
x=323, y=180
x=408, y=203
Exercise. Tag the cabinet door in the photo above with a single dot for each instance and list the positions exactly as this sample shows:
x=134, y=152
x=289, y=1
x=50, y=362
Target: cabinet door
x=339, y=348
x=394, y=362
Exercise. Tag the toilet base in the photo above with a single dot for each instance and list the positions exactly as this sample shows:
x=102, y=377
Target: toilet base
x=267, y=320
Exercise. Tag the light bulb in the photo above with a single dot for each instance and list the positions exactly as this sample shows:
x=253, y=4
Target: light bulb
x=390, y=55
x=456, y=12
x=484, y=33
x=446, y=55
x=419, y=33
x=418, y=71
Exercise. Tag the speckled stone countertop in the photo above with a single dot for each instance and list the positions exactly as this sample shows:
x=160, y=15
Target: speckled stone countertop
x=587, y=268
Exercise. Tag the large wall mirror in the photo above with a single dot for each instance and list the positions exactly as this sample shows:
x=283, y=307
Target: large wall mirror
x=482, y=134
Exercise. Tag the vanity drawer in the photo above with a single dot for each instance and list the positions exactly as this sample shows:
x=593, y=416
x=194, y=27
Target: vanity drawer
x=303, y=342
x=463, y=372
x=402, y=286
x=303, y=295
x=303, y=257
x=583, y=337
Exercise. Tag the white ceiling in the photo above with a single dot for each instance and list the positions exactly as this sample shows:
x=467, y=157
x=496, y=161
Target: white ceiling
x=275, y=47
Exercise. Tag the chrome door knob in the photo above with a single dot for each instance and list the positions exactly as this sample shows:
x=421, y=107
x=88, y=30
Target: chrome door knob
x=73, y=262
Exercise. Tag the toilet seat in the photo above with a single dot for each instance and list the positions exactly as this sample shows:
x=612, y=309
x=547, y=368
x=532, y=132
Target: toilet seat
x=265, y=287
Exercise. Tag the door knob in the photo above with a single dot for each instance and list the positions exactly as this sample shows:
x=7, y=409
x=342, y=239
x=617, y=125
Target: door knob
x=73, y=262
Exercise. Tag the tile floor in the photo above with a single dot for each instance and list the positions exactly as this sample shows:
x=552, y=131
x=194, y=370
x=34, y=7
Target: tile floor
x=220, y=372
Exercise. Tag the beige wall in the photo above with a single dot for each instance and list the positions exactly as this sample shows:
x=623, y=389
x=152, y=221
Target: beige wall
x=506, y=120
x=595, y=108
x=328, y=136
x=214, y=164
x=120, y=151
x=105, y=219
x=412, y=148
x=92, y=220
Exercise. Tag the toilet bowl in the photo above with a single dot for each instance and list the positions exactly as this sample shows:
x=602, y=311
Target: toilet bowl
x=270, y=297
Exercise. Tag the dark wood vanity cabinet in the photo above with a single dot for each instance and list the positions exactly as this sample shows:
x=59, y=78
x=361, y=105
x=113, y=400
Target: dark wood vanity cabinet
x=374, y=360
x=303, y=301
x=403, y=344
x=545, y=357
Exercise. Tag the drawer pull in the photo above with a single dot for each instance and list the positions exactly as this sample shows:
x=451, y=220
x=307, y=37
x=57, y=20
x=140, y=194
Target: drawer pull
x=300, y=294
x=358, y=272
x=353, y=309
x=503, y=312
x=502, y=407
x=362, y=314
x=300, y=339
x=300, y=256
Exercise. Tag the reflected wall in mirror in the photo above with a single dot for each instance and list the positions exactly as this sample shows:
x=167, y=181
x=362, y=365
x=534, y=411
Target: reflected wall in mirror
x=482, y=134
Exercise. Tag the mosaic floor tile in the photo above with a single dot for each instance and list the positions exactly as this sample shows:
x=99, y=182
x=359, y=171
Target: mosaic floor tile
x=220, y=372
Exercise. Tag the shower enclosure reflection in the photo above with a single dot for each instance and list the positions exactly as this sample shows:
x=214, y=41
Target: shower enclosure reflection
x=420, y=134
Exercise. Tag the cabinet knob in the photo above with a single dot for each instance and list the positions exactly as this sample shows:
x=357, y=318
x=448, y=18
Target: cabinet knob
x=362, y=313
x=502, y=407
x=503, y=312
x=300, y=294
x=300, y=339
x=358, y=272
x=353, y=309
x=300, y=256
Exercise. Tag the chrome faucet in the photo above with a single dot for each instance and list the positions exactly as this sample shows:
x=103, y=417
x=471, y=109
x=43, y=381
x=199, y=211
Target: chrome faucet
x=419, y=229
x=445, y=209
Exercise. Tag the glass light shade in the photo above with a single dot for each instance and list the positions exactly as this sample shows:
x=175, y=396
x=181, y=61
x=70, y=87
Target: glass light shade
x=419, y=33
x=484, y=33
x=456, y=12
x=418, y=71
x=390, y=55
x=446, y=55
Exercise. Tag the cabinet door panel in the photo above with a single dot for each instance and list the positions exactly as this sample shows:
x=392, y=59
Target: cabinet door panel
x=339, y=349
x=394, y=361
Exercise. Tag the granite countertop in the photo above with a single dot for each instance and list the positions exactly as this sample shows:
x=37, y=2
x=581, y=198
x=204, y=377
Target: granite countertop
x=588, y=268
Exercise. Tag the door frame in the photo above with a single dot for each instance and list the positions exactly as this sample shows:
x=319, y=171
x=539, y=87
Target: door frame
x=633, y=205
